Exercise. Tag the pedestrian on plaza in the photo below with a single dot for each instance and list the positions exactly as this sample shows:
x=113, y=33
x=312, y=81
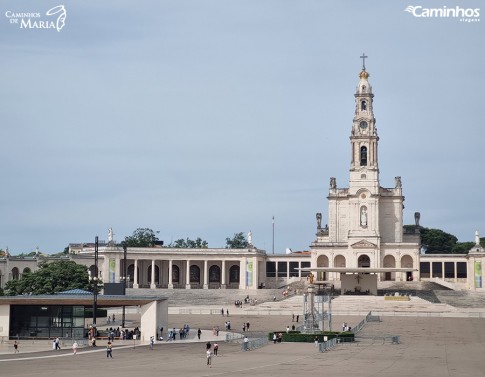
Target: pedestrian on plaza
x=16, y=347
x=316, y=341
x=199, y=332
x=246, y=343
x=208, y=345
x=113, y=317
x=293, y=319
x=247, y=326
x=222, y=312
x=227, y=312
x=216, y=348
x=244, y=327
x=297, y=317
x=287, y=329
x=209, y=358
x=152, y=341
x=57, y=343
x=74, y=348
x=109, y=350
x=275, y=338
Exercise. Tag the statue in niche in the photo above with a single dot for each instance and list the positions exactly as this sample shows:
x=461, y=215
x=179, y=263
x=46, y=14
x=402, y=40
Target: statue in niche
x=110, y=235
x=363, y=216
x=333, y=183
x=398, y=182
x=319, y=220
x=477, y=238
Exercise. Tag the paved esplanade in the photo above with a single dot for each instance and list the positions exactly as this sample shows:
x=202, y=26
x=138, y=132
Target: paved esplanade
x=430, y=346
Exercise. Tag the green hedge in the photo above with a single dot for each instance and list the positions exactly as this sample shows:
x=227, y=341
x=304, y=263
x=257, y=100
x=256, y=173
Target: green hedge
x=296, y=336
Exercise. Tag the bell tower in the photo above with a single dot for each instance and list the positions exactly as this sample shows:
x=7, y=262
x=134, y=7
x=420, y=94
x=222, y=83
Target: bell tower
x=364, y=168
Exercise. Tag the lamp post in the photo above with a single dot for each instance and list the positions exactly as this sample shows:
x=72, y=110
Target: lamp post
x=94, y=280
x=124, y=278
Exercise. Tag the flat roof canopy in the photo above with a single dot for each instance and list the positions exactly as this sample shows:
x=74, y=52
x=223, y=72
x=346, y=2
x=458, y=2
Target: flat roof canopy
x=86, y=300
x=356, y=270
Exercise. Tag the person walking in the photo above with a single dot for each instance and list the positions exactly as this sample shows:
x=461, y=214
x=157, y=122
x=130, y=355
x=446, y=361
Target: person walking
x=209, y=358
x=109, y=350
x=275, y=338
x=247, y=326
x=246, y=343
x=152, y=341
x=215, y=348
x=227, y=312
x=16, y=347
x=74, y=348
x=199, y=332
x=57, y=343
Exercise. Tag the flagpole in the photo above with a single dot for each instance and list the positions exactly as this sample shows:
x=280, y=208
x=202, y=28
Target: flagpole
x=273, y=234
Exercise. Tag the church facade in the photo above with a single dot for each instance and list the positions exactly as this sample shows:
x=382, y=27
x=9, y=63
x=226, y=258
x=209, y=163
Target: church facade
x=365, y=220
x=364, y=236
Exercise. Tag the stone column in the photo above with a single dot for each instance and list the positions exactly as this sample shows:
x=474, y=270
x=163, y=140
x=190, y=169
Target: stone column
x=135, y=273
x=242, y=273
x=170, y=283
x=187, y=275
x=223, y=274
x=152, y=278
x=255, y=273
x=117, y=269
x=455, y=265
x=206, y=275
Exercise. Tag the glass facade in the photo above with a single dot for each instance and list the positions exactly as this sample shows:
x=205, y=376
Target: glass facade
x=46, y=321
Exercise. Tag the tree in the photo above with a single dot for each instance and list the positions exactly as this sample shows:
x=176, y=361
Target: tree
x=237, y=242
x=142, y=237
x=190, y=244
x=440, y=242
x=50, y=278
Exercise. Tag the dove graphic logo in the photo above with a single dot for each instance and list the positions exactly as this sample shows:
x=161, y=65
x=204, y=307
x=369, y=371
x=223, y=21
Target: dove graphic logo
x=410, y=9
x=462, y=14
x=61, y=18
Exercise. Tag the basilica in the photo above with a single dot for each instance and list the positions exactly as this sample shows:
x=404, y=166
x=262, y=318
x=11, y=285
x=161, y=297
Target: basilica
x=363, y=244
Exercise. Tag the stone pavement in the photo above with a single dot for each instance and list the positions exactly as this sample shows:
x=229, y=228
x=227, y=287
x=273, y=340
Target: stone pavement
x=431, y=345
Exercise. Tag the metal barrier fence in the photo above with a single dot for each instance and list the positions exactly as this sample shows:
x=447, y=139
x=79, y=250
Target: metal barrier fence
x=232, y=336
x=254, y=344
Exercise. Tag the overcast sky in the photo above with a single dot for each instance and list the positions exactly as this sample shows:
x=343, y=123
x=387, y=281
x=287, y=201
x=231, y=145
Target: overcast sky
x=200, y=118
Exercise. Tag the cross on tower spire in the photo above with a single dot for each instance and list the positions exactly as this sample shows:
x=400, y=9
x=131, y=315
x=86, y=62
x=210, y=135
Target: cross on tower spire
x=363, y=57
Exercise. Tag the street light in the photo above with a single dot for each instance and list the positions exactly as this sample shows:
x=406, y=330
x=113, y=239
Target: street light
x=124, y=279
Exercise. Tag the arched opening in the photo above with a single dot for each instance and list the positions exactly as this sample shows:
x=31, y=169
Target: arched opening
x=363, y=105
x=363, y=156
x=175, y=274
x=131, y=273
x=194, y=274
x=322, y=261
x=339, y=261
x=407, y=262
x=389, y=262
x=363, y=261
x=15, y=273
x=234, y=274
x=214, y=274
x=26, y=270
x=93, y=271
x=157, y=275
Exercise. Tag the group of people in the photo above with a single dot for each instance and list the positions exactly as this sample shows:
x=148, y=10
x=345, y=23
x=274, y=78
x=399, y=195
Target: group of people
x=108, y=320
x=297, y=317
x=211, y=350
x=277, y=338
x=172, y=334
x=222, y=312
x=346, y=327
x=245, y=326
